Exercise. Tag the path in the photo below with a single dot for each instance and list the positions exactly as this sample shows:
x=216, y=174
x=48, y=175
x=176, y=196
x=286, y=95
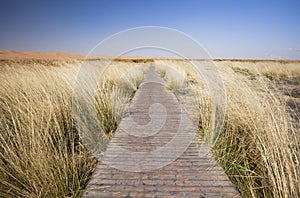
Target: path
x=149, y=155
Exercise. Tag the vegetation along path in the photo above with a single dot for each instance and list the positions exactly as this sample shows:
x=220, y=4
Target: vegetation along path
x=155, y=152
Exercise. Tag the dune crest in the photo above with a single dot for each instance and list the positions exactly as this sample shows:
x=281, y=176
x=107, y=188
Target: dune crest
x=10, y=54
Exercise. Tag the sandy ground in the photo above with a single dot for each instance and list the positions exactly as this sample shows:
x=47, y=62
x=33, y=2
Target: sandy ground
x=9, y=54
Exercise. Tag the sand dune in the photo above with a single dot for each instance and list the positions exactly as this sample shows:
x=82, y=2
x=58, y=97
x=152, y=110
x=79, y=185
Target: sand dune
x=9, y=54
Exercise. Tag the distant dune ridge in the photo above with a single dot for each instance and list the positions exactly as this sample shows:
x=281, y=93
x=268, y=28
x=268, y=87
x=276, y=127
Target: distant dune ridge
x=9, y=54
x=14, y=55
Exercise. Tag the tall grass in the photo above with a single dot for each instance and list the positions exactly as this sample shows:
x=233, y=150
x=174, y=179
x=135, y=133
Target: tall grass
x=175, y=77
x=257, y=147
x=114, y=92
x=274, y=70
x=41, y=154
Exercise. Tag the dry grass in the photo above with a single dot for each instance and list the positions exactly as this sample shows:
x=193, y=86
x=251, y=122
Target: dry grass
x=179, y=81
x=114, y=92
x=257, y=147
x=41, y=154
x=274, y=70
x=175, y=76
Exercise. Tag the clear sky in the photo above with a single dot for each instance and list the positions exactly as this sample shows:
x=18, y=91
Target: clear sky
x=226, y=28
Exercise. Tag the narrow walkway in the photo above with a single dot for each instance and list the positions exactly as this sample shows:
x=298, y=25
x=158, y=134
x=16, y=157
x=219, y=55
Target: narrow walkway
x=155, y=153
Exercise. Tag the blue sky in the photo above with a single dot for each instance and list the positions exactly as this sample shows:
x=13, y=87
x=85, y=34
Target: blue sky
x=226, y=28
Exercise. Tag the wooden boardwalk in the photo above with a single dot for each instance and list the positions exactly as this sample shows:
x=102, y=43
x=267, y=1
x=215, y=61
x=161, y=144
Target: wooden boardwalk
x=155, y=153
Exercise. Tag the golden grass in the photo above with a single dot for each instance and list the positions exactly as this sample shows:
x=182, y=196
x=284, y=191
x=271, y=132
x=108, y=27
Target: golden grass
x=115, y=90
x=41, y=154
x=257, y=147
x=276, y=70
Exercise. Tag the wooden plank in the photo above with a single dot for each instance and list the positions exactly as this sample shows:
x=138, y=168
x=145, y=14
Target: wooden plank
x=188, y=175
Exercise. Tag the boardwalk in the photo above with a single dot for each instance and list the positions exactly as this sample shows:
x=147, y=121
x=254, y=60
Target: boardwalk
x=155, y=153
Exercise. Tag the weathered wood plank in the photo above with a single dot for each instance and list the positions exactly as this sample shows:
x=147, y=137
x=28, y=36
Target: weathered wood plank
x=188, y=175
